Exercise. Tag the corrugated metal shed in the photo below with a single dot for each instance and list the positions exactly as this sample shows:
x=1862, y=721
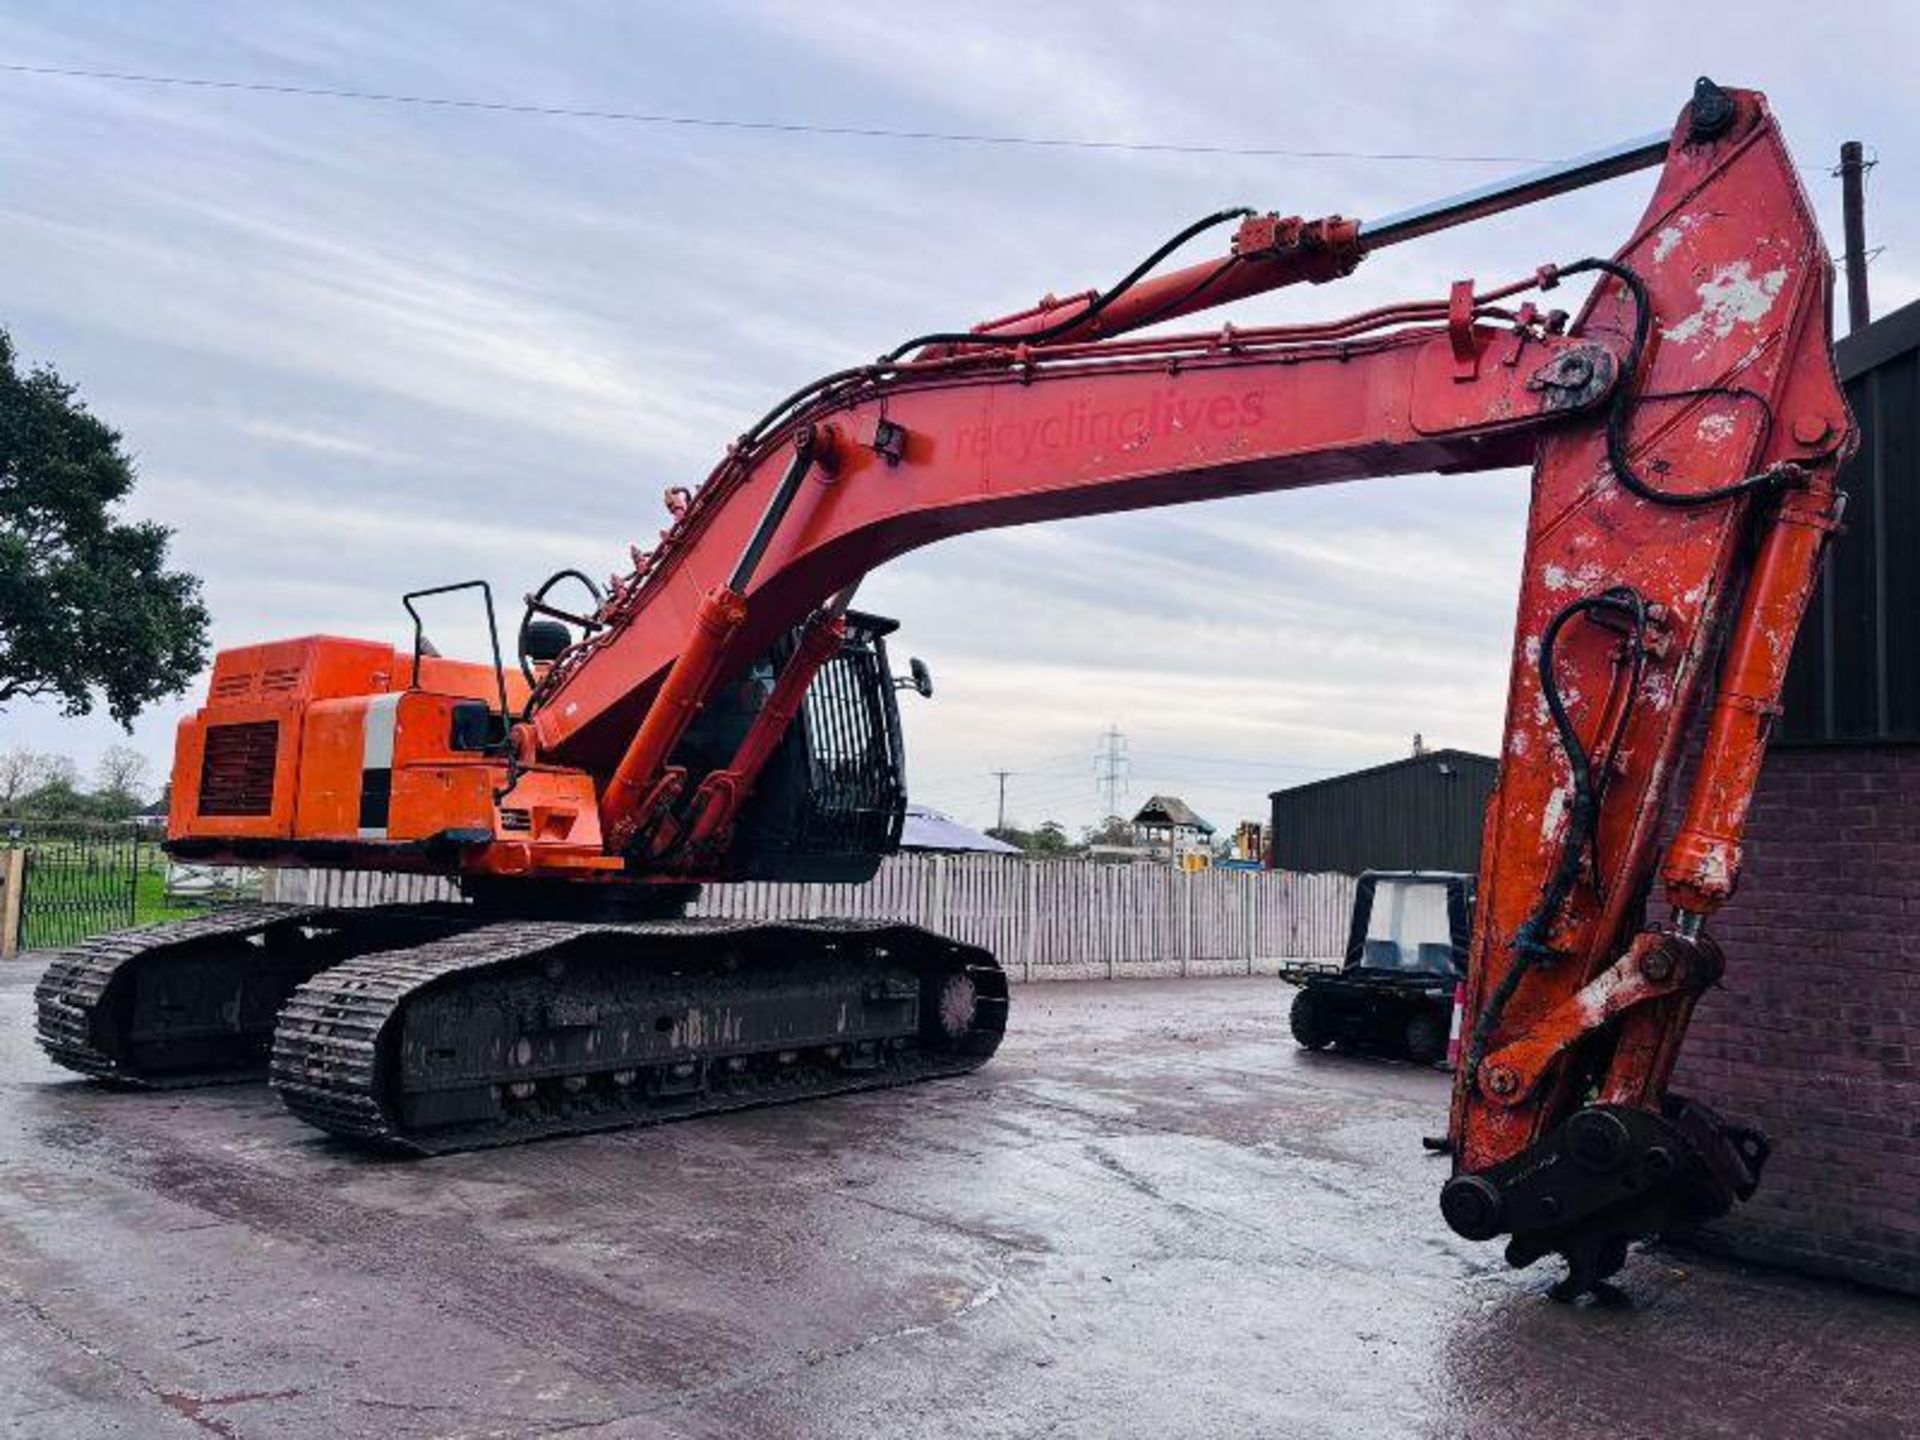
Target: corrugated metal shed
x=1856, y=666
x=1422, y=813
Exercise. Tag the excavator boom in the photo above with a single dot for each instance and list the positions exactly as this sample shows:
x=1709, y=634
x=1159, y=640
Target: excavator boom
x=719, y=711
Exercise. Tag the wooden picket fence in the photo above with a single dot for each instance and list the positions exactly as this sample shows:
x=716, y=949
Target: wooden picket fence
x=1043, y=919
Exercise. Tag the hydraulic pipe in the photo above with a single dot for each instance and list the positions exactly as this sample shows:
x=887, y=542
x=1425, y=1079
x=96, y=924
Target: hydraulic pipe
x=808, y=445
x=723, y=792
x=1268, y=254
x=1271, y=253
x=1703, y=864
x=1642, y=153
x=688, y=683
x=630, y=793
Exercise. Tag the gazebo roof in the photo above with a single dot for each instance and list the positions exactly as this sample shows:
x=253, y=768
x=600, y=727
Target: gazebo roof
x=1171, y=810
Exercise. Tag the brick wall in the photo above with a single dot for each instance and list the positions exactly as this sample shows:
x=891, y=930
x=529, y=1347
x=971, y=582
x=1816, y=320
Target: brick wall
x=1815, y=1036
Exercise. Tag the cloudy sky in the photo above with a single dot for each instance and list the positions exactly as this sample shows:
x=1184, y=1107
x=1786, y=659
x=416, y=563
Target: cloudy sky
x=362, y=347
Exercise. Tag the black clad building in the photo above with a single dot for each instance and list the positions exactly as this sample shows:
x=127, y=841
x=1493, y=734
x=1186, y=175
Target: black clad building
x=1422, y=813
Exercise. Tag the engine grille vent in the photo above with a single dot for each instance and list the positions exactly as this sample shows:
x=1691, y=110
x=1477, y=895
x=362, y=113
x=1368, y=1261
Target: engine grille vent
x=236, y=772
x=247, y=684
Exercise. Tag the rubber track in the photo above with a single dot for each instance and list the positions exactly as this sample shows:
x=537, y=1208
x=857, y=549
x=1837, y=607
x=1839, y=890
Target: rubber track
x=326, y=1048
x=76, y=981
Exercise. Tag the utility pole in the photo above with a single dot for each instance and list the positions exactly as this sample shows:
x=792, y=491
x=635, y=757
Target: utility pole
x=1110, y=769
x=1001, y=776
x=1853, y=216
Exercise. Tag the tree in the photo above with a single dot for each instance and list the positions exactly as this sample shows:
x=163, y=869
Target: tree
x=20, y=771
x=25, y=772
x=54, y=792
x=1049, y=841
x=88, y=607
x=37, y=785
x=58, y=770
x=58, y=798
x=120, y=781
x=1111, y=831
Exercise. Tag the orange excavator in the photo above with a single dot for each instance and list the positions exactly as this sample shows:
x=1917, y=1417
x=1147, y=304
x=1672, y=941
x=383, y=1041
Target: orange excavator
x=721, y=712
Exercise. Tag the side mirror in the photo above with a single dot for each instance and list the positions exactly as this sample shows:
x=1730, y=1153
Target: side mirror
x=918, y=678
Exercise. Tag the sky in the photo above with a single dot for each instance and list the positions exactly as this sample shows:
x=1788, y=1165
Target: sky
x=358, y=348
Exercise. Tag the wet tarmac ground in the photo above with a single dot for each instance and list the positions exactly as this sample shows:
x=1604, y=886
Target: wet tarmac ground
x=1152, y=1215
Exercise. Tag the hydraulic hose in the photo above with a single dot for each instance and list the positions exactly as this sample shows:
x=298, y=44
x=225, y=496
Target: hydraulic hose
x=1620, y=413
x=1531, y=942
x=1100, y=302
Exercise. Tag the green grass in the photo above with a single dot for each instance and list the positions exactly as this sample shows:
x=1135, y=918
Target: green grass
x=150, y=903
x=87, y=883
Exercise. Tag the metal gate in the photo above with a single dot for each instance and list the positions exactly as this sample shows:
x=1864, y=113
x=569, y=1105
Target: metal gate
x=80, y=879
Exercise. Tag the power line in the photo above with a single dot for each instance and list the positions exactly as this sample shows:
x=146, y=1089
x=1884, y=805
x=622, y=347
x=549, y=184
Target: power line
x=1032, y=797
x=1236, y=761
x=1054, y=781
x=1075, y=764
x=778, y=127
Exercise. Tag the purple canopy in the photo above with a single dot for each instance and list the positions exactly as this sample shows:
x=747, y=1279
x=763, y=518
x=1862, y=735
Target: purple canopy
x=930, y=830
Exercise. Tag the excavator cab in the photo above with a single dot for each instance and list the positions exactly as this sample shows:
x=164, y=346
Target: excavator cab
x=830, y=805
